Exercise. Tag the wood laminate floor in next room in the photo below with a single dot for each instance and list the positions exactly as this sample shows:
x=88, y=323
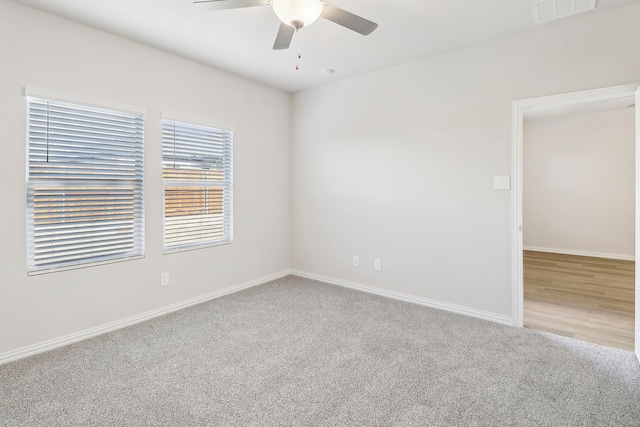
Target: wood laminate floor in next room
x=590, y=299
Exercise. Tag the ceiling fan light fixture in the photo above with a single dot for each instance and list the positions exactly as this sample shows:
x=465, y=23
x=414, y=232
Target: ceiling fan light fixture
x=297, y=13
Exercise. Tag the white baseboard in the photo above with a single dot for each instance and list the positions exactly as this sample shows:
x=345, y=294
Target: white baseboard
x=123, y=323
x=129, y=321
x=580, y=253
x=485, y=315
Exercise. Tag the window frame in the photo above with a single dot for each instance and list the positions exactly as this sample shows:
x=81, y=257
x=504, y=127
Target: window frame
x=32, y=182
x=226, y=186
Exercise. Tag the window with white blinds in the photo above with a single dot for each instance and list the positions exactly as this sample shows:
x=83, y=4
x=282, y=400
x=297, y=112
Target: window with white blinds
x=197, y=170
x=85, y=185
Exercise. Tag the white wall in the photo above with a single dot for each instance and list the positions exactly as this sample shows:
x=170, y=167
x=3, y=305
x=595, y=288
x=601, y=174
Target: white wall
x=399, y=163
x=579, y=183
x=42, y=51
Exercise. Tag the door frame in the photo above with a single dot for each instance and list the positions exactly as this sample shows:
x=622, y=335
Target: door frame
x=519, y=108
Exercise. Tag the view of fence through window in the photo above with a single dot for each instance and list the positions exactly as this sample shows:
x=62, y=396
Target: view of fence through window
x=192, y=200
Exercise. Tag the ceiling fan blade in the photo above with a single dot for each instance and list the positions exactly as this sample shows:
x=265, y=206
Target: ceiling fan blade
x=283, y=39
x=227, y=4
x=348, y=20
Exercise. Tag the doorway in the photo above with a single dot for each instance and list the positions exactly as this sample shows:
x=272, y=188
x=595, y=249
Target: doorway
x=603, y=99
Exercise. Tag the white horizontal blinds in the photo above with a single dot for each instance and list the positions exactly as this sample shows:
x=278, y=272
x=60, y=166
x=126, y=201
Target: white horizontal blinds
x=198, y=185
x=85, y=189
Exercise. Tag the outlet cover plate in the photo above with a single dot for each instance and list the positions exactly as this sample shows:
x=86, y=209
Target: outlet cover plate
x=502, y=183
x=164, y=278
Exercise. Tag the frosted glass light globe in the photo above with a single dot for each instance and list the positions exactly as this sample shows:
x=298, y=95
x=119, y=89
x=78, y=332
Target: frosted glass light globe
x=294, y=12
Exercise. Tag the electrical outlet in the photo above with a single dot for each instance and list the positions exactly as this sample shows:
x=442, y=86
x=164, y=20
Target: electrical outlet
x=164, y=278
x=356, y=261
x=377, y=264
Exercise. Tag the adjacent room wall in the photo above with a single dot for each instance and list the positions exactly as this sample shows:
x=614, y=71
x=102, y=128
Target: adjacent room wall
x=579, y=183
x=46, y=52
x=399, y=164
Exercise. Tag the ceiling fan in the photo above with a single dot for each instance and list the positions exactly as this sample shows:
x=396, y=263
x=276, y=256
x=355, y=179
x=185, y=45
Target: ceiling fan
x=295, y=14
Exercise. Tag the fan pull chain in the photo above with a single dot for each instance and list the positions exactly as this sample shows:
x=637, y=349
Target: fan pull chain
x=299, y=57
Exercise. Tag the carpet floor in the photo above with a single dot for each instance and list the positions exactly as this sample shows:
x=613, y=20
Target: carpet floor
x=297, y=352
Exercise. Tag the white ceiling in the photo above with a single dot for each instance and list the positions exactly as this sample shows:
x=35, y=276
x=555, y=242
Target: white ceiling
x=240, y=40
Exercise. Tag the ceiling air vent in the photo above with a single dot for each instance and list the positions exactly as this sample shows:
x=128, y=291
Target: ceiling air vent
x=548, y=10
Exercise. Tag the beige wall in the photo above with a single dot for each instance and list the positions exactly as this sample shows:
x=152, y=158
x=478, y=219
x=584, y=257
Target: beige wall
x=579, y=183
x=399, y=163
x=41, y=51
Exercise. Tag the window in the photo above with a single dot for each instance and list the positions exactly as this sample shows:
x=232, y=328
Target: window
x=197, y=170
x=85, y=185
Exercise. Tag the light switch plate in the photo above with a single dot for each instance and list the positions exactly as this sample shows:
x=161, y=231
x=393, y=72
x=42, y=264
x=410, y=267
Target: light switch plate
x=502, y=183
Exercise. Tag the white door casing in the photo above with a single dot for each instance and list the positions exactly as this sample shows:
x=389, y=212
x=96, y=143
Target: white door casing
x=519, y=109
x=637, y=314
